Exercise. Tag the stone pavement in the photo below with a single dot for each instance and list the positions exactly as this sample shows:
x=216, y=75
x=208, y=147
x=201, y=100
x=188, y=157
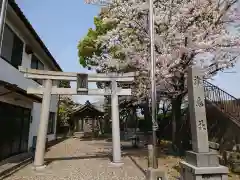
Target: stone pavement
x=11, y=164
x=74, y=159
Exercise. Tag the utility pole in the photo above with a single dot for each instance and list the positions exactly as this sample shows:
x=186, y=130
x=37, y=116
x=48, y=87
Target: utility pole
x=4, y=4
x=153, y=83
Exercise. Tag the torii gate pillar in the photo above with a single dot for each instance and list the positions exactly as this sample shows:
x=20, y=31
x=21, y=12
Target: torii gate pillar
x=115, y=125
x=43, y=126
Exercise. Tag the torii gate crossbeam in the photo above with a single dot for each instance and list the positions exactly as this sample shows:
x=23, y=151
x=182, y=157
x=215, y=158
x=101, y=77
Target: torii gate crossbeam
x=82, y=89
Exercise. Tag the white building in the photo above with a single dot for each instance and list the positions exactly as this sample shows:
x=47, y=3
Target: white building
x=19, y=111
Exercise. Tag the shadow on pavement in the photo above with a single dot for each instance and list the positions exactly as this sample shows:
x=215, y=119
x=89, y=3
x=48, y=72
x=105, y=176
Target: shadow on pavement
x=94, y=156
x=55, y=142
x=104, y=155
x=138, y=166
x=164, y=151
x=99, y=156
x=8, y=174
x=90, y=137
x=16, y=159
x=93, y=138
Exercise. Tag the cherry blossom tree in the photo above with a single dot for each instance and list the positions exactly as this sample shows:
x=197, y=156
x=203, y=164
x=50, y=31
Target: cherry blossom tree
x=187, y=32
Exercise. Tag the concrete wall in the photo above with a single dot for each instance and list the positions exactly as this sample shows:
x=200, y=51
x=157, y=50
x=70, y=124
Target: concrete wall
x=10, y=74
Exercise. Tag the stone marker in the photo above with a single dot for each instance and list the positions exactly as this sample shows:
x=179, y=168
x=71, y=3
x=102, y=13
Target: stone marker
x=197, y=112
x=201, y=163
x=155, y=174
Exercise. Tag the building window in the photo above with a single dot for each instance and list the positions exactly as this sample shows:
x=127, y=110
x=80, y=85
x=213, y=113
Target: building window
x=12, y=47
x=37, y=64
x=51, y=123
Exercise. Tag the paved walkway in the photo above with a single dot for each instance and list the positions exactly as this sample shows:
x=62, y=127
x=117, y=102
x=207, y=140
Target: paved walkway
x=74, y=159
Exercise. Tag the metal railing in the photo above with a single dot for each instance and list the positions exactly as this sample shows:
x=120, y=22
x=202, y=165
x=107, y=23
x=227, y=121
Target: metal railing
x=225, y=102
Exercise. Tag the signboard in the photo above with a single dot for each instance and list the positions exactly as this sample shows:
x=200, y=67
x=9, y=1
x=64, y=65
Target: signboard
x=82, y=81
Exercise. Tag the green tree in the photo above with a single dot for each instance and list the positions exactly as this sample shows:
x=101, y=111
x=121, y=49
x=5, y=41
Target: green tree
x=66, y=108
x=88, y=47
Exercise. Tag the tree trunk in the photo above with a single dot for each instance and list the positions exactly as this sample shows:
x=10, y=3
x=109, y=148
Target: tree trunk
x=147, y=115
x=176, y=123
x=100, y=123
x=148, y=120
x=93, y=130
x=136, y=119
x=71, y=127
x=70, y=133
x=107, y=114
x=173, y=124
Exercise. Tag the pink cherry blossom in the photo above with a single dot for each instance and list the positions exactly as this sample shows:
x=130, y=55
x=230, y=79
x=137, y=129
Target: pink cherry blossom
x=202, y=32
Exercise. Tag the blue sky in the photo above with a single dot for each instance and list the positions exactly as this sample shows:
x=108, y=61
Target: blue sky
x=62, y=24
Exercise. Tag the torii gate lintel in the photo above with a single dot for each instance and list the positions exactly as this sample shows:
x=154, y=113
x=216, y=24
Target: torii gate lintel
x=82, y=89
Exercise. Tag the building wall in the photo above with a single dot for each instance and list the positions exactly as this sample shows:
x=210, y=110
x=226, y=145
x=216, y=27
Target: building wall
x=10, y=74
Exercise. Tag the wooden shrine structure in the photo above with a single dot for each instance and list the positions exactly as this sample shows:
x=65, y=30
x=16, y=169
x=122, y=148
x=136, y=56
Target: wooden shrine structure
x=87, y=120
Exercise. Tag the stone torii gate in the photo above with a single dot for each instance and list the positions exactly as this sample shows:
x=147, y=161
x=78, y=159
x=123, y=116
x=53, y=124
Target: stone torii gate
x=49, y=89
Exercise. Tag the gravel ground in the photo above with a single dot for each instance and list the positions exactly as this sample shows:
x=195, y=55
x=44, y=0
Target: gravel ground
x=73, y=159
